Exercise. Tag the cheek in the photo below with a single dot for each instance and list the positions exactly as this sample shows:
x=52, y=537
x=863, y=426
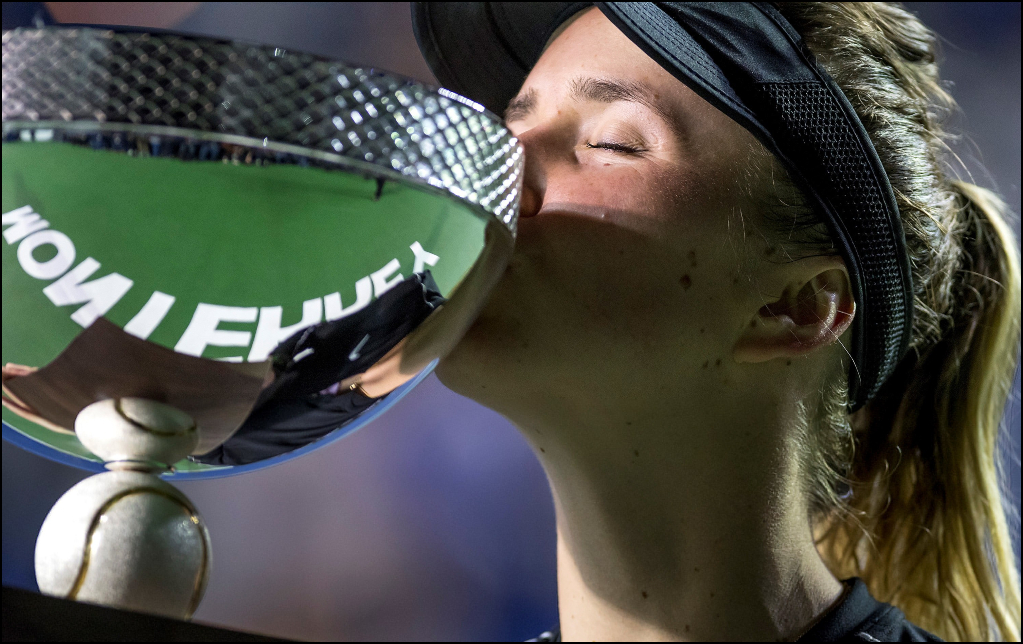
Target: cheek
x=655, y=198
x=621, y=267
x=605, y=188
x=644, y=264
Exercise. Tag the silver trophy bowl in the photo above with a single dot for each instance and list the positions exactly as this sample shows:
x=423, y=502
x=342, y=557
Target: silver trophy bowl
x=218, y=256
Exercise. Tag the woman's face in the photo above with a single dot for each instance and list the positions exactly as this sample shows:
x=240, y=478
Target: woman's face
x=625, y=275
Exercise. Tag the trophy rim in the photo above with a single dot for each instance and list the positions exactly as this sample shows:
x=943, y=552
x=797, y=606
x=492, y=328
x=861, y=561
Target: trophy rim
x=153, y=31
x=375, y=167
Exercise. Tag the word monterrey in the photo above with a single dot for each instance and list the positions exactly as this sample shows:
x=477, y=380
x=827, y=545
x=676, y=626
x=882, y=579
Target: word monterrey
x=30, y=231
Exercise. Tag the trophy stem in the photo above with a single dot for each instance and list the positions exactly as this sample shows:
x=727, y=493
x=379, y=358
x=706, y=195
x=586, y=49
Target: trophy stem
x=125, y=538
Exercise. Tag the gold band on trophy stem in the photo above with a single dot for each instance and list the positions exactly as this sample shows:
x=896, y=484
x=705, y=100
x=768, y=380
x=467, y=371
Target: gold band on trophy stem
x=201, y=576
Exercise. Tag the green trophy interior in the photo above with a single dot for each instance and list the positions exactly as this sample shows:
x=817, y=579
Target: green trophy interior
x=221, y=232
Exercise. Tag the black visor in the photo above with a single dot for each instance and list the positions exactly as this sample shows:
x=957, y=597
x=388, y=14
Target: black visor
x=748, y=61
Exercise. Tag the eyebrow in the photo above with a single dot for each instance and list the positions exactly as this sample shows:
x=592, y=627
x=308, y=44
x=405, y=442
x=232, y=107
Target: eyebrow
x=597, y=90
x=521, y=106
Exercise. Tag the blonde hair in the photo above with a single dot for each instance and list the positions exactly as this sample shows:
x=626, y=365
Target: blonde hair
x=907, y=493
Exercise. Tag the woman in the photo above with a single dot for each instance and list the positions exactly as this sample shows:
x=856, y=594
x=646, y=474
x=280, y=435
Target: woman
x=676, y=335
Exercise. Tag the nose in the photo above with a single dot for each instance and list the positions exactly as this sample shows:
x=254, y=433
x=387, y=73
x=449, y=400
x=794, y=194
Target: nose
x=534, y=181
x=545, y=146
x=532, y=198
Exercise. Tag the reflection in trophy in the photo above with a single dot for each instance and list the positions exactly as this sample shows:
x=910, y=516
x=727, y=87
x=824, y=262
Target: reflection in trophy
x=219, y=256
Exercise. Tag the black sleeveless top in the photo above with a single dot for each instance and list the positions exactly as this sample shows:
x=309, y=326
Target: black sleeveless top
x=857, y=618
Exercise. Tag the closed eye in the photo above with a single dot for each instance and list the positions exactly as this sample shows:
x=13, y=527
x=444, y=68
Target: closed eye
x=615, y=147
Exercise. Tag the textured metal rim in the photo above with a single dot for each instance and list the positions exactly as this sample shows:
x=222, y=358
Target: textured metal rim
x=259, y=96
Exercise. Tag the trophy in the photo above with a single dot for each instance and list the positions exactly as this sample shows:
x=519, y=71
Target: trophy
x=218, y=256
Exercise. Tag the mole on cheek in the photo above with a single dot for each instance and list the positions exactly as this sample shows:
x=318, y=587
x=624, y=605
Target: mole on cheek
x=686, y=282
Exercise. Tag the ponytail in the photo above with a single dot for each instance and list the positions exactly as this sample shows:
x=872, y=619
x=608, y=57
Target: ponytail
x=907, y=493
x=924, y=524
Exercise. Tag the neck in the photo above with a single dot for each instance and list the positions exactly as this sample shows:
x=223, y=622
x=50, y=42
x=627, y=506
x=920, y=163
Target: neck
x=660, y=541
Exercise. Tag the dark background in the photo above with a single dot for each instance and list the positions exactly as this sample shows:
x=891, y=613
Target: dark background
x=435, y=521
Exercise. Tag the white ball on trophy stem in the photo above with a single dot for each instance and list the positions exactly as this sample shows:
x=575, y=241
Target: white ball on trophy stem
x=125, y=539
x=136, y=431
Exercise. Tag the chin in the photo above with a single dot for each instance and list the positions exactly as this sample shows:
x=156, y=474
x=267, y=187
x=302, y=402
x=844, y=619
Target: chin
x=498, y=362
x=453, y=374
x=474, y=366
x=500, y=357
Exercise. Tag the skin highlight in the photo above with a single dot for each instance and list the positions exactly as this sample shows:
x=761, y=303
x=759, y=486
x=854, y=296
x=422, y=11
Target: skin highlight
x=659, y=382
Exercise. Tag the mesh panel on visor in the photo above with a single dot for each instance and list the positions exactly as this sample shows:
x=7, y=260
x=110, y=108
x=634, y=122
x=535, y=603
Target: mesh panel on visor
x=810, y=125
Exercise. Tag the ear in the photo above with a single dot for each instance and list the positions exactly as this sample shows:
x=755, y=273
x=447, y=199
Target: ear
x=814, y=309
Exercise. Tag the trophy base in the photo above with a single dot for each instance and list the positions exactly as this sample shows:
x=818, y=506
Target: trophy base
x=30, y=617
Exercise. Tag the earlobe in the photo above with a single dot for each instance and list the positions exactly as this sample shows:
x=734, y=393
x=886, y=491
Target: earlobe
x=807, y=315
